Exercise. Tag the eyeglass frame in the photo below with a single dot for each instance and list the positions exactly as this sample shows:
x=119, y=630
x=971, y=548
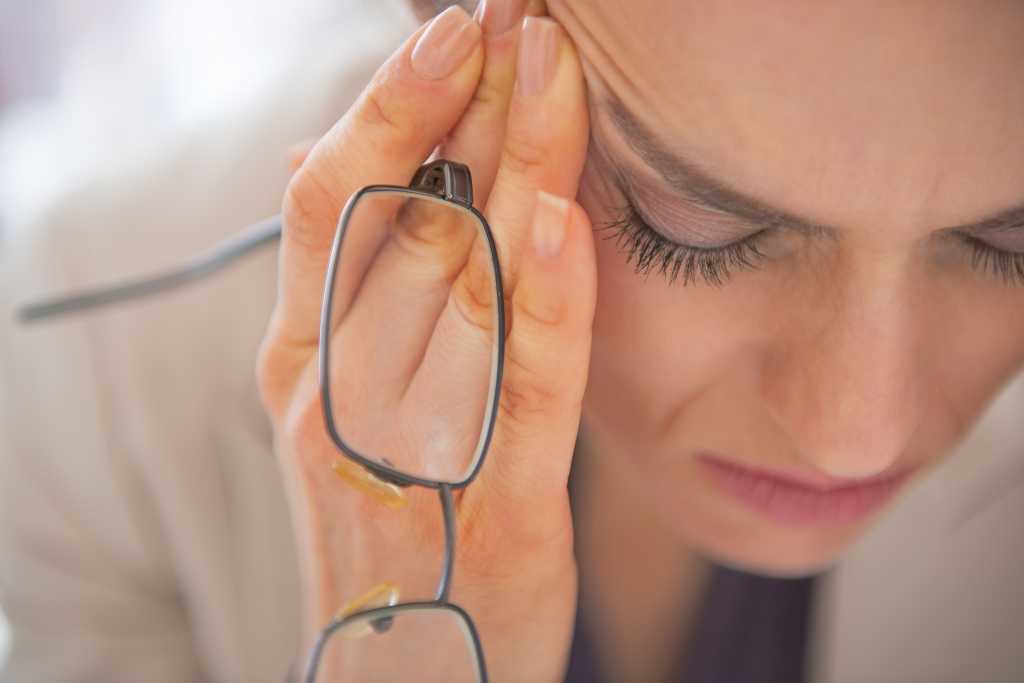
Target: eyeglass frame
x=441, y=178
x=450, y=182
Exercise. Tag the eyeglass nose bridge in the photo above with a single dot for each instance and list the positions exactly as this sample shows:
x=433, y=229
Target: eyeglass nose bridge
x=448, y=179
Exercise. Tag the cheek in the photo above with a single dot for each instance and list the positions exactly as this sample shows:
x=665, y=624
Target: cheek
x=979, y=344
x=676, y=369
x=658, y=349
x=675, y=365
x=628, y=389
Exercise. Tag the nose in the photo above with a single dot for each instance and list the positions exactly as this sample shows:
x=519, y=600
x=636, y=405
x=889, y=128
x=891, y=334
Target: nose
x=846, y=382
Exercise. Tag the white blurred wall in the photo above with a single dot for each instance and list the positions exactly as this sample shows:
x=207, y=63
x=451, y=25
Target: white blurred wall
x=84, y=81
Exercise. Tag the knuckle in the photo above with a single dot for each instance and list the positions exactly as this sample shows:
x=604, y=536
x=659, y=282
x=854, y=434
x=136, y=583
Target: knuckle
x=536, y=310
x=305, y=207
x=523, y=154
x=302, y=426
x=492, y=94
x=474, y=296
x=270, y=381
x=267, y=381
x=426, y=228
x=385, y=115
x=308, y=207
x=278, y=369
x=525, y=396
x=487, y=563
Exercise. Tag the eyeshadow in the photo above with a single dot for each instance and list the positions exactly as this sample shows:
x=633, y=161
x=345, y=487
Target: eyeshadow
x=683, y=219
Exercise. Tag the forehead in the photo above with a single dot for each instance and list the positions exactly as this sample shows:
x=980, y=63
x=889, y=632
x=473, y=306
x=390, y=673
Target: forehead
x=874, y=113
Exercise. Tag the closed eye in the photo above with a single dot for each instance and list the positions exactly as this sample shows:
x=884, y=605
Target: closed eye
x=1007, y=266
x=648, y=250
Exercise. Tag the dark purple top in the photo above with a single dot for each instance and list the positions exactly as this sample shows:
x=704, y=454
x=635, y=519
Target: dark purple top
x=750, y=629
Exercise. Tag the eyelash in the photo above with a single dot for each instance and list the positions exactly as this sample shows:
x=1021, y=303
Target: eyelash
x=646, y=250
x=1005, y=265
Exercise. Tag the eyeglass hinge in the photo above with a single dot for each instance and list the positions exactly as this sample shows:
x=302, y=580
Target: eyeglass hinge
x=448, y=179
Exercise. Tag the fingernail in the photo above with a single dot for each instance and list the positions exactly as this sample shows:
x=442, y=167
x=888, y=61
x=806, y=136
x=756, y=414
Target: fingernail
x=498, y=16
x=549, y=222
x=446, y=44
x=538, y=55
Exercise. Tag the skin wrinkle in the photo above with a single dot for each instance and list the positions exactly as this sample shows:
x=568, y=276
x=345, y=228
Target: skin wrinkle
x=685, y=219
x=686, y=179
x=890, y=127
x=879, y=268
x=694, y=184
x=686, y=222
x=739, y=143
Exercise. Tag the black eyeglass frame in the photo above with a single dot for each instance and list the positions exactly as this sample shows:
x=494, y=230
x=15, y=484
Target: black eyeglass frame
x=446, y=181
x=389, y=612
x=451, y=182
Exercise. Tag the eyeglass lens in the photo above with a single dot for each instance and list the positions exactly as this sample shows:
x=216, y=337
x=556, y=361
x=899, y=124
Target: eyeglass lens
x=413, y=335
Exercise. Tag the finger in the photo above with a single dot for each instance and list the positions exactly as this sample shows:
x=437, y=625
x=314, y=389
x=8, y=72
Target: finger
x=297, y=153
x=551, y=283
x=475, y=141
x=547, y=356
x=545, y=140
x=457, y=359
x=450, y=388
x=399, y=297
x=414, y=99
x=379, y=343
x=478, y=137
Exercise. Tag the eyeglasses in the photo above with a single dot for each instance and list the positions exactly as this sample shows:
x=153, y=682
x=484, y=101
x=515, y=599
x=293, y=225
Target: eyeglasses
x=410, y=374
x=412, y=344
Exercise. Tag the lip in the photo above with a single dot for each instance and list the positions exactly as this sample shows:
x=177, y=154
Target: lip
x=802, y=498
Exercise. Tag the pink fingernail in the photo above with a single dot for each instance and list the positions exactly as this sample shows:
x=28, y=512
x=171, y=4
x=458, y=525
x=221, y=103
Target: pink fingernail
x=446, y=44
x=538, y=55
x=549, y=223
x=498, y=16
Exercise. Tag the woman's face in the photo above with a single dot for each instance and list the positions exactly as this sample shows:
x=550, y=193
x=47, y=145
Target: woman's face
x=849, y=294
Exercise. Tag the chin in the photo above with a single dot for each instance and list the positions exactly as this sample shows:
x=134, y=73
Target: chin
x=768, y=562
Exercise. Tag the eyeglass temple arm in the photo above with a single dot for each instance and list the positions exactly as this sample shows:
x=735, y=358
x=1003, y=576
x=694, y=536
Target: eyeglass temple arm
x=199, y=266
x=448, y=179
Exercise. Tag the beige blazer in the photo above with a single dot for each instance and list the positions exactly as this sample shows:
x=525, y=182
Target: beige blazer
x=143, y=530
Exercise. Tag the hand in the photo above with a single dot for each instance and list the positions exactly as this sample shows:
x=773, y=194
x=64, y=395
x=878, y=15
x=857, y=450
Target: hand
x=515, y=571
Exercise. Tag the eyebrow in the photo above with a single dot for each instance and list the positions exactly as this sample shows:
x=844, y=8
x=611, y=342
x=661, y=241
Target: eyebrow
x=694, y=183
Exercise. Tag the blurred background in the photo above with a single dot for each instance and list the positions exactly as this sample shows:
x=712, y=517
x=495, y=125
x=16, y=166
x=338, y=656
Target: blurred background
x=86, y=87
x=84, y=84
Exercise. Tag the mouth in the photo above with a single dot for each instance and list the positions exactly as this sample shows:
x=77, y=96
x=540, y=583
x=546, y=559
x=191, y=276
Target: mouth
x=802, y=498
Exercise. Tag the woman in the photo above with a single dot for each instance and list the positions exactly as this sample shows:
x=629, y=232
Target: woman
x=809, y=298
x=819, y=363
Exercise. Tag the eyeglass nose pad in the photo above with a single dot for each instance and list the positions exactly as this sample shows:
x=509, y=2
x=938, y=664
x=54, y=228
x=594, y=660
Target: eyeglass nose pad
x=384, y=594
x=364, y=481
